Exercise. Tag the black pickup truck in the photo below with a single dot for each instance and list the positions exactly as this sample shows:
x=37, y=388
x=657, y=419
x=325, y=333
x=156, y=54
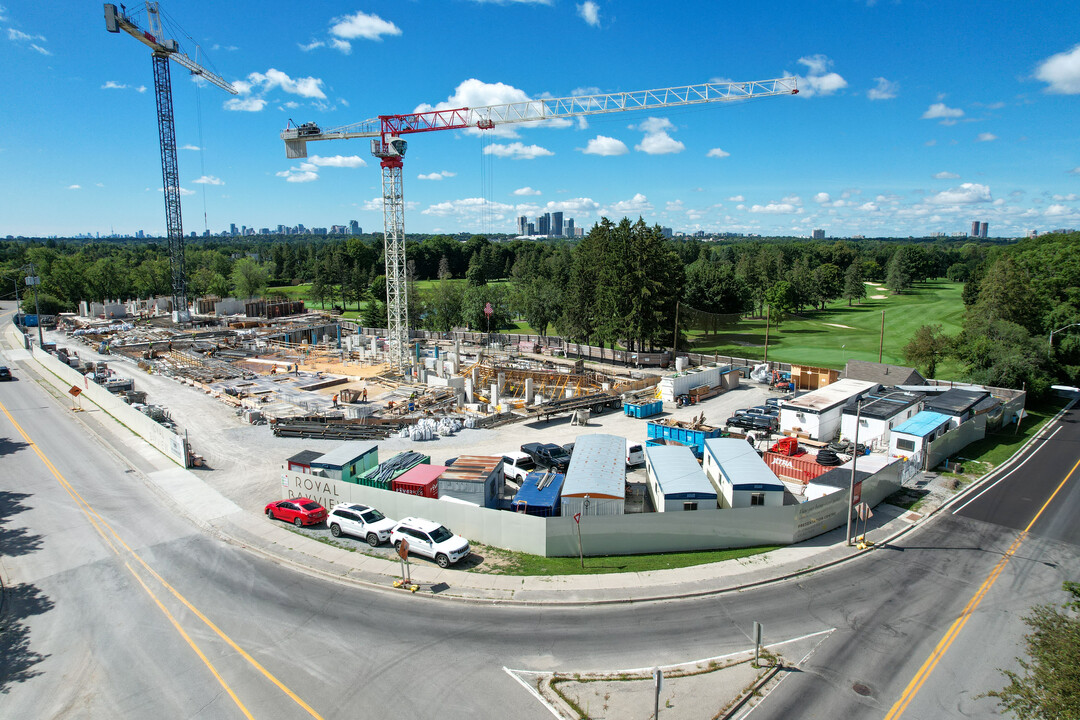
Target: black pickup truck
x=548, y=455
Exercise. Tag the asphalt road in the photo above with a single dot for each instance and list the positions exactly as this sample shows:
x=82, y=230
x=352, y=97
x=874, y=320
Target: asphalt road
x=84, y=638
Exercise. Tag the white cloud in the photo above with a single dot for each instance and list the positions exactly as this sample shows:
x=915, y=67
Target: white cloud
x=249, y=104
x=821, y=198
x=19, y=36
x=43, y=51
x=113, y=85
x=294, y=175
x=314, y=44
x=209, y=180
x=930, y=143
x=190, y=147
x=637, y=204
x=792, y=199
x=776, y=209
x=1071, y=197
x=309, y=87
x=942, y=111
x=674, y=206
x=606, y=146
x=718, y=153
x=512, y=2
x=869, y=207
x=884, y=90
x=945, y=175
x=184, y=192
x=590, y=13
x=1058, y=211
x=517, y=151
x=818, y=80
x=339, y=161
x=656, y=140
x=1061, y=72
x=966, y=194
x=362, y=25
x=986, y=137
x=433, y=176
x=526, y=191
x=736, y=199
x=477, y=93
x=74, y=187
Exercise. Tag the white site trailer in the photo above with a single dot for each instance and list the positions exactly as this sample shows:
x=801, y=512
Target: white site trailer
x=818, y=414
x=596, y=478
x=676, y=481
x=740, y=476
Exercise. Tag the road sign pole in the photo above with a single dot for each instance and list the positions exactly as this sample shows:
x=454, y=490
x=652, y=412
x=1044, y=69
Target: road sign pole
x=581, y=555
x=658, y=681
x=757, y=642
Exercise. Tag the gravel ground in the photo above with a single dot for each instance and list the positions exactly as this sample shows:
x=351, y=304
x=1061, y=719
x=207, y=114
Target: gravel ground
x=243, y=460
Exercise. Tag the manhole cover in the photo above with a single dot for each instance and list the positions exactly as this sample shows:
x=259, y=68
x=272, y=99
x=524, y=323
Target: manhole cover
x=861, y=689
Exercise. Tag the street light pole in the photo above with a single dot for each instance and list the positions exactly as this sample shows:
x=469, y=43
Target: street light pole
x=854, y=462
x=33, y=280
x=1050, y=346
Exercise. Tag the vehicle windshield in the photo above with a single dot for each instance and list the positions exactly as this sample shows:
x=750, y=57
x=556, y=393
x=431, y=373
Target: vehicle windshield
x=311, y=506
x=372, y=516
x=441, y=534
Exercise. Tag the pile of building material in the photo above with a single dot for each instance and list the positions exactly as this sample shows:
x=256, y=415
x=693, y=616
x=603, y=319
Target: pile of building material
x=386, y=472
x=323, y=428
x=699, y=382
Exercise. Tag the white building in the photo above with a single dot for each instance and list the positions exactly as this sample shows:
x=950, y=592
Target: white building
x=880, y=412
x=740, y=476
x=676, y=481
x=817, y=414
x=909, y=438
x=596, y=478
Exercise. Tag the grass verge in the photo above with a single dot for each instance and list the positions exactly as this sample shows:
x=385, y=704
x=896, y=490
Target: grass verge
x=506, y=562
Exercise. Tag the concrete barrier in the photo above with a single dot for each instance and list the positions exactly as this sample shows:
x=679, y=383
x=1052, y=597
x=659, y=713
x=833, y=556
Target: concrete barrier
x=63, y=378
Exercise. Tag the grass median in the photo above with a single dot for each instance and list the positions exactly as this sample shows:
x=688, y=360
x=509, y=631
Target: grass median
x=505, y=562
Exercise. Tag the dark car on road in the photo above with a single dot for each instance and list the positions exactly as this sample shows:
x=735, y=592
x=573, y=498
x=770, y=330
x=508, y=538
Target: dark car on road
x=5, y=374
x=548, y=455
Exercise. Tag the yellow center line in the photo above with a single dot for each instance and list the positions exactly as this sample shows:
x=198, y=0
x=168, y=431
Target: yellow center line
x=101, y=526
x=927, y=667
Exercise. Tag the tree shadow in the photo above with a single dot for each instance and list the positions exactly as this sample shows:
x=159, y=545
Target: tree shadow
x=15, y=541
x=10, y=447
x=17, y=660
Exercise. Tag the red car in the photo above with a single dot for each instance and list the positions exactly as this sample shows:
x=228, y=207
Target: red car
x=299, y=511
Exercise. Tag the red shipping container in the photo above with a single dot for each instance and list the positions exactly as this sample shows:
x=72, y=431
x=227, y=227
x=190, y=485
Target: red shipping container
x=802, y=468
x=422, y=480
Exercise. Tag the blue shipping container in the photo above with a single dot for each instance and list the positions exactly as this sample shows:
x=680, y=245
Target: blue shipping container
x=643, y=410
x=531, y=499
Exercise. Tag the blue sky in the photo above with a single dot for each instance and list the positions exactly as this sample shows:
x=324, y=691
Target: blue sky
x=913, y=117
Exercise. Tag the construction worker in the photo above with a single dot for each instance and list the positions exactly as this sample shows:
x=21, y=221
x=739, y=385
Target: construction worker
x=335, y=399
x=365, y=395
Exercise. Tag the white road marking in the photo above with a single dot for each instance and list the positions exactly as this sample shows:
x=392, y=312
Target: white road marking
x=533, y=691
x=991, y=485
x=803, y=659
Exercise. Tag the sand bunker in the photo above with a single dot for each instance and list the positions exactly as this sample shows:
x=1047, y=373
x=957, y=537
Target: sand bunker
x=846, y=327
x=879, y=297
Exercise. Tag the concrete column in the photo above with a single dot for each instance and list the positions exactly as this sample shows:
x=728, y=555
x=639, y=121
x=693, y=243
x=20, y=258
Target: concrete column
x=494, y=394
x=475, y=376
x=569, y=392
x=502, y=382
x=528, y=390
x=469, y=390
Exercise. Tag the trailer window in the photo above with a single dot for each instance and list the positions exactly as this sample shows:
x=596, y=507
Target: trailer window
x=757, y=499
x=907, y=445
x=689, y=506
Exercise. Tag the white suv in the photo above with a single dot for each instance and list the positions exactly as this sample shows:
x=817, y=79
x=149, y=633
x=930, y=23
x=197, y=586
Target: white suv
x=431, y=540
x=360, y=521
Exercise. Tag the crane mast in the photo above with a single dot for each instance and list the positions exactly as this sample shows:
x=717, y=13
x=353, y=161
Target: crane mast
x=387, y=144
x=162, y=51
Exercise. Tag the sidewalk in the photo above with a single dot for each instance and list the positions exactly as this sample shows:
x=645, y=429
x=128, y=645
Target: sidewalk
x=186, y=492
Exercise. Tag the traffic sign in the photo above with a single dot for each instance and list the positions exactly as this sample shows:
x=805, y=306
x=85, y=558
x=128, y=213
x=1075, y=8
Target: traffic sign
x=75, y=391
x=577, y=517
x=403, y=549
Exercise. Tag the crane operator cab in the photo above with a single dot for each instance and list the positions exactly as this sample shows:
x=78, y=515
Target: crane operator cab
x=394, y=147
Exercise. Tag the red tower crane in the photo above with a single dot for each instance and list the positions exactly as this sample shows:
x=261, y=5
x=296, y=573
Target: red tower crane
x=388, y=145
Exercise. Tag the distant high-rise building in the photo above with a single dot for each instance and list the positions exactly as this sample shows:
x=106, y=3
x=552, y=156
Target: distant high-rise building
x=665, y=231
x=570, y=227
x=354, y=228
x=984, y=228
x=974, y=228
x=281, y=229
x=337, y=229
x=543, y=223
x=523, y=225
x=556, y=224
x=530, y=229
x=819, y=234
x=232, y=229
x=300, y=230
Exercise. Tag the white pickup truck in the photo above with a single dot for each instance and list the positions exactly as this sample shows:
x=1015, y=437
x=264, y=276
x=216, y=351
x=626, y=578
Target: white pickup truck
x=516, y=465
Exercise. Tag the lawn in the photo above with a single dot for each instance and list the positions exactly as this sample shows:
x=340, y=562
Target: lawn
x=506, y=562
x=831, y=337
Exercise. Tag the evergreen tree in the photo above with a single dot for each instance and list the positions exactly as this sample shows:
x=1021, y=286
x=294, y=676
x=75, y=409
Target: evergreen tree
x=854, y=287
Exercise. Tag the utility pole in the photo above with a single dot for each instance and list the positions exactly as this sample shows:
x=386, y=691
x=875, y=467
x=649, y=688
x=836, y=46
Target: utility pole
x=881, y=340
x=675, y=340
x=33, y=280
x=766, y=358
x=854, y=462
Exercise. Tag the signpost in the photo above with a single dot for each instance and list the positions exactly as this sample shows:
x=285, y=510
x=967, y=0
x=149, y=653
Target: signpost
x=577, y=522
x=403, y=553
x=76, y=404
x=658, y=680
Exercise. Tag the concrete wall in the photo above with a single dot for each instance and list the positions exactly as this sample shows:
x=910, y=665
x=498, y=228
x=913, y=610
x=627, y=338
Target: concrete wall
x=63, y=377
x=955, y=440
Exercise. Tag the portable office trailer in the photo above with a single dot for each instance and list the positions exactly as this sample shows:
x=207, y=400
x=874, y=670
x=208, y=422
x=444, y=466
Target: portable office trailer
x=422, y=480
x=913, y=436
x=879, y=414
x=473, y=478
x=347, y=462
x=540, y=494
x=676, y=481
x=817, y=414
x=958, y=404
x=596, y=476
x=740, y=476
x=301, y=461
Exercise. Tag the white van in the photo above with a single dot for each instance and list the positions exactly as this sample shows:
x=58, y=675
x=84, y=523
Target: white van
x=635, y=453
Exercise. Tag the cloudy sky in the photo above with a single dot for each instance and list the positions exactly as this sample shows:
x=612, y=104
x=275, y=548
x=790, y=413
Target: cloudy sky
x=913, y=117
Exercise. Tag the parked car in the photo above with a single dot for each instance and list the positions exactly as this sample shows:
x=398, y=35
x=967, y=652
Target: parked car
x=431, y=540
x=773, y=402
x=765, y=410
x=5, y=373
x=752, y=422
x=568, y=448
x=360, y=521
x=548, y=455
x=299, y=511
x=516, y=465
x=635, y=454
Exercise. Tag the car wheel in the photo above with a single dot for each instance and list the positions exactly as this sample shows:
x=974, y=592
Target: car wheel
x=372, y=539
x=298, y=522
x=442, y=560
x=397, y=546
x=270, y=514
x=335, y=530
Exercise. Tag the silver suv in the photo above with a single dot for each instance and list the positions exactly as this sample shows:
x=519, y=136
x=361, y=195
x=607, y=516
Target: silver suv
x=360, y=521
x=431, y=540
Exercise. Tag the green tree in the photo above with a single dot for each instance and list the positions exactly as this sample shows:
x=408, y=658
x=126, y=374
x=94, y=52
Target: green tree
x=898, y=274
x=926, y=347
x=1003, y=354
x=1048, y=685
x=249, y=278
x=476, y=274
x=781, y=298
x=828, y=283
x=444, y=305
x=854, y=287
x=1008, y=292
